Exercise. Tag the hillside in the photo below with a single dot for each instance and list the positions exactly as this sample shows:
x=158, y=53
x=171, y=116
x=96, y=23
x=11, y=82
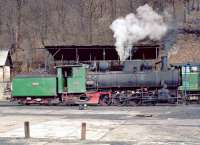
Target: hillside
x=29, y=24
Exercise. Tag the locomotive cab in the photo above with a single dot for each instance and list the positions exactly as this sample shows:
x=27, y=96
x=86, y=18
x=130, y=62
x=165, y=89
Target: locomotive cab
x=71, y=79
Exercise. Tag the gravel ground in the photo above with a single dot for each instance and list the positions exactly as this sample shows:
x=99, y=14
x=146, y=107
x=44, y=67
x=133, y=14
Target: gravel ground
x=59, y=125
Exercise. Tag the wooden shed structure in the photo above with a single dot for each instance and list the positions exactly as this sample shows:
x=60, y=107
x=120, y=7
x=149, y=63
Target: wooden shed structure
x=5, y=73
x=5, y=65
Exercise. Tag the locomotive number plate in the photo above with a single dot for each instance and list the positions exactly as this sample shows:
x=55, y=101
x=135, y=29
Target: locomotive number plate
x=34, y=84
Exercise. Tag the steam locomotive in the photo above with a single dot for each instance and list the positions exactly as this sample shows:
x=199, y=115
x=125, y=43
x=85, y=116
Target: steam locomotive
x=133, y=82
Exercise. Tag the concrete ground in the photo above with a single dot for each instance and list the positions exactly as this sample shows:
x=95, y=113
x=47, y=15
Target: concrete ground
x=59, y=125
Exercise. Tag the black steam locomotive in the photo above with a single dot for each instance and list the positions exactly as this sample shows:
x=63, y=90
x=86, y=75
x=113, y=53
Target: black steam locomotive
x=137, y=83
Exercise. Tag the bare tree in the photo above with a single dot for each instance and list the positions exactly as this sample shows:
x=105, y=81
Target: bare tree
x=113, y=4
x=185, y=11
x=81, y=12
x=91, y=7
x=19, y=21
x=193, y=5
x=61, y=11
x=188, y=6
x=1, y=21
x=45, y=25
x=131, y=5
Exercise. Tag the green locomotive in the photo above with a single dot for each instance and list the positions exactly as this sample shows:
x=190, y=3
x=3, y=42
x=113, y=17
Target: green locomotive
x=67, y=86
x=49, y=89
x=190, y=88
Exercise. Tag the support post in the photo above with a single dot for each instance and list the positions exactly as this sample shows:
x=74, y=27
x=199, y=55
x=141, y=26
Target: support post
x=104, y=54
x=83, y=131
x=26, y=129
x=77, y=55
x=3, y=74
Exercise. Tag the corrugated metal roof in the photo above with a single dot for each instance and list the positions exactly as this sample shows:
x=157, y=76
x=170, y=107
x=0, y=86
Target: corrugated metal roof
x=3, y=56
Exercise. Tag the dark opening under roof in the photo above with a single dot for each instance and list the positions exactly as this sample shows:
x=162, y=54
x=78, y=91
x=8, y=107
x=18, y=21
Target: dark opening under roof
x=99, y=52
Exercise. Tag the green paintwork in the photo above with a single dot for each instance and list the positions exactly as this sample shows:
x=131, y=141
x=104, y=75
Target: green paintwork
x=34, y=86
x=190, y=81
x=50, y=85
x=60, y=80
x=78, y=72
x=76, y=83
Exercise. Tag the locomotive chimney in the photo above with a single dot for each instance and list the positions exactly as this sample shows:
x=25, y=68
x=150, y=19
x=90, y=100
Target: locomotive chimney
x=164, y=59
x=164, y=63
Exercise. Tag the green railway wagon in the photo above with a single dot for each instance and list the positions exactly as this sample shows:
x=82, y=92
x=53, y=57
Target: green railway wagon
x=190, y=88
x=26, y=86
x=190, y=81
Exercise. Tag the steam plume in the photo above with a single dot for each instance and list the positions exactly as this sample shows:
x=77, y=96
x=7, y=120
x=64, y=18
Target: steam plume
x=146, y=23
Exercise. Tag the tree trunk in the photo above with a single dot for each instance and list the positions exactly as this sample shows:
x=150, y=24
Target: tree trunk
x=113, y=9
x=185, y=13
x=174, y=8
x=18, y=27
x=90, y=30
x=193, y=5
x=131, y=5
x=188, y=6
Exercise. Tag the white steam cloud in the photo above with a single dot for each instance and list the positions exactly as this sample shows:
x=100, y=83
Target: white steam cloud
x=146, y=23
